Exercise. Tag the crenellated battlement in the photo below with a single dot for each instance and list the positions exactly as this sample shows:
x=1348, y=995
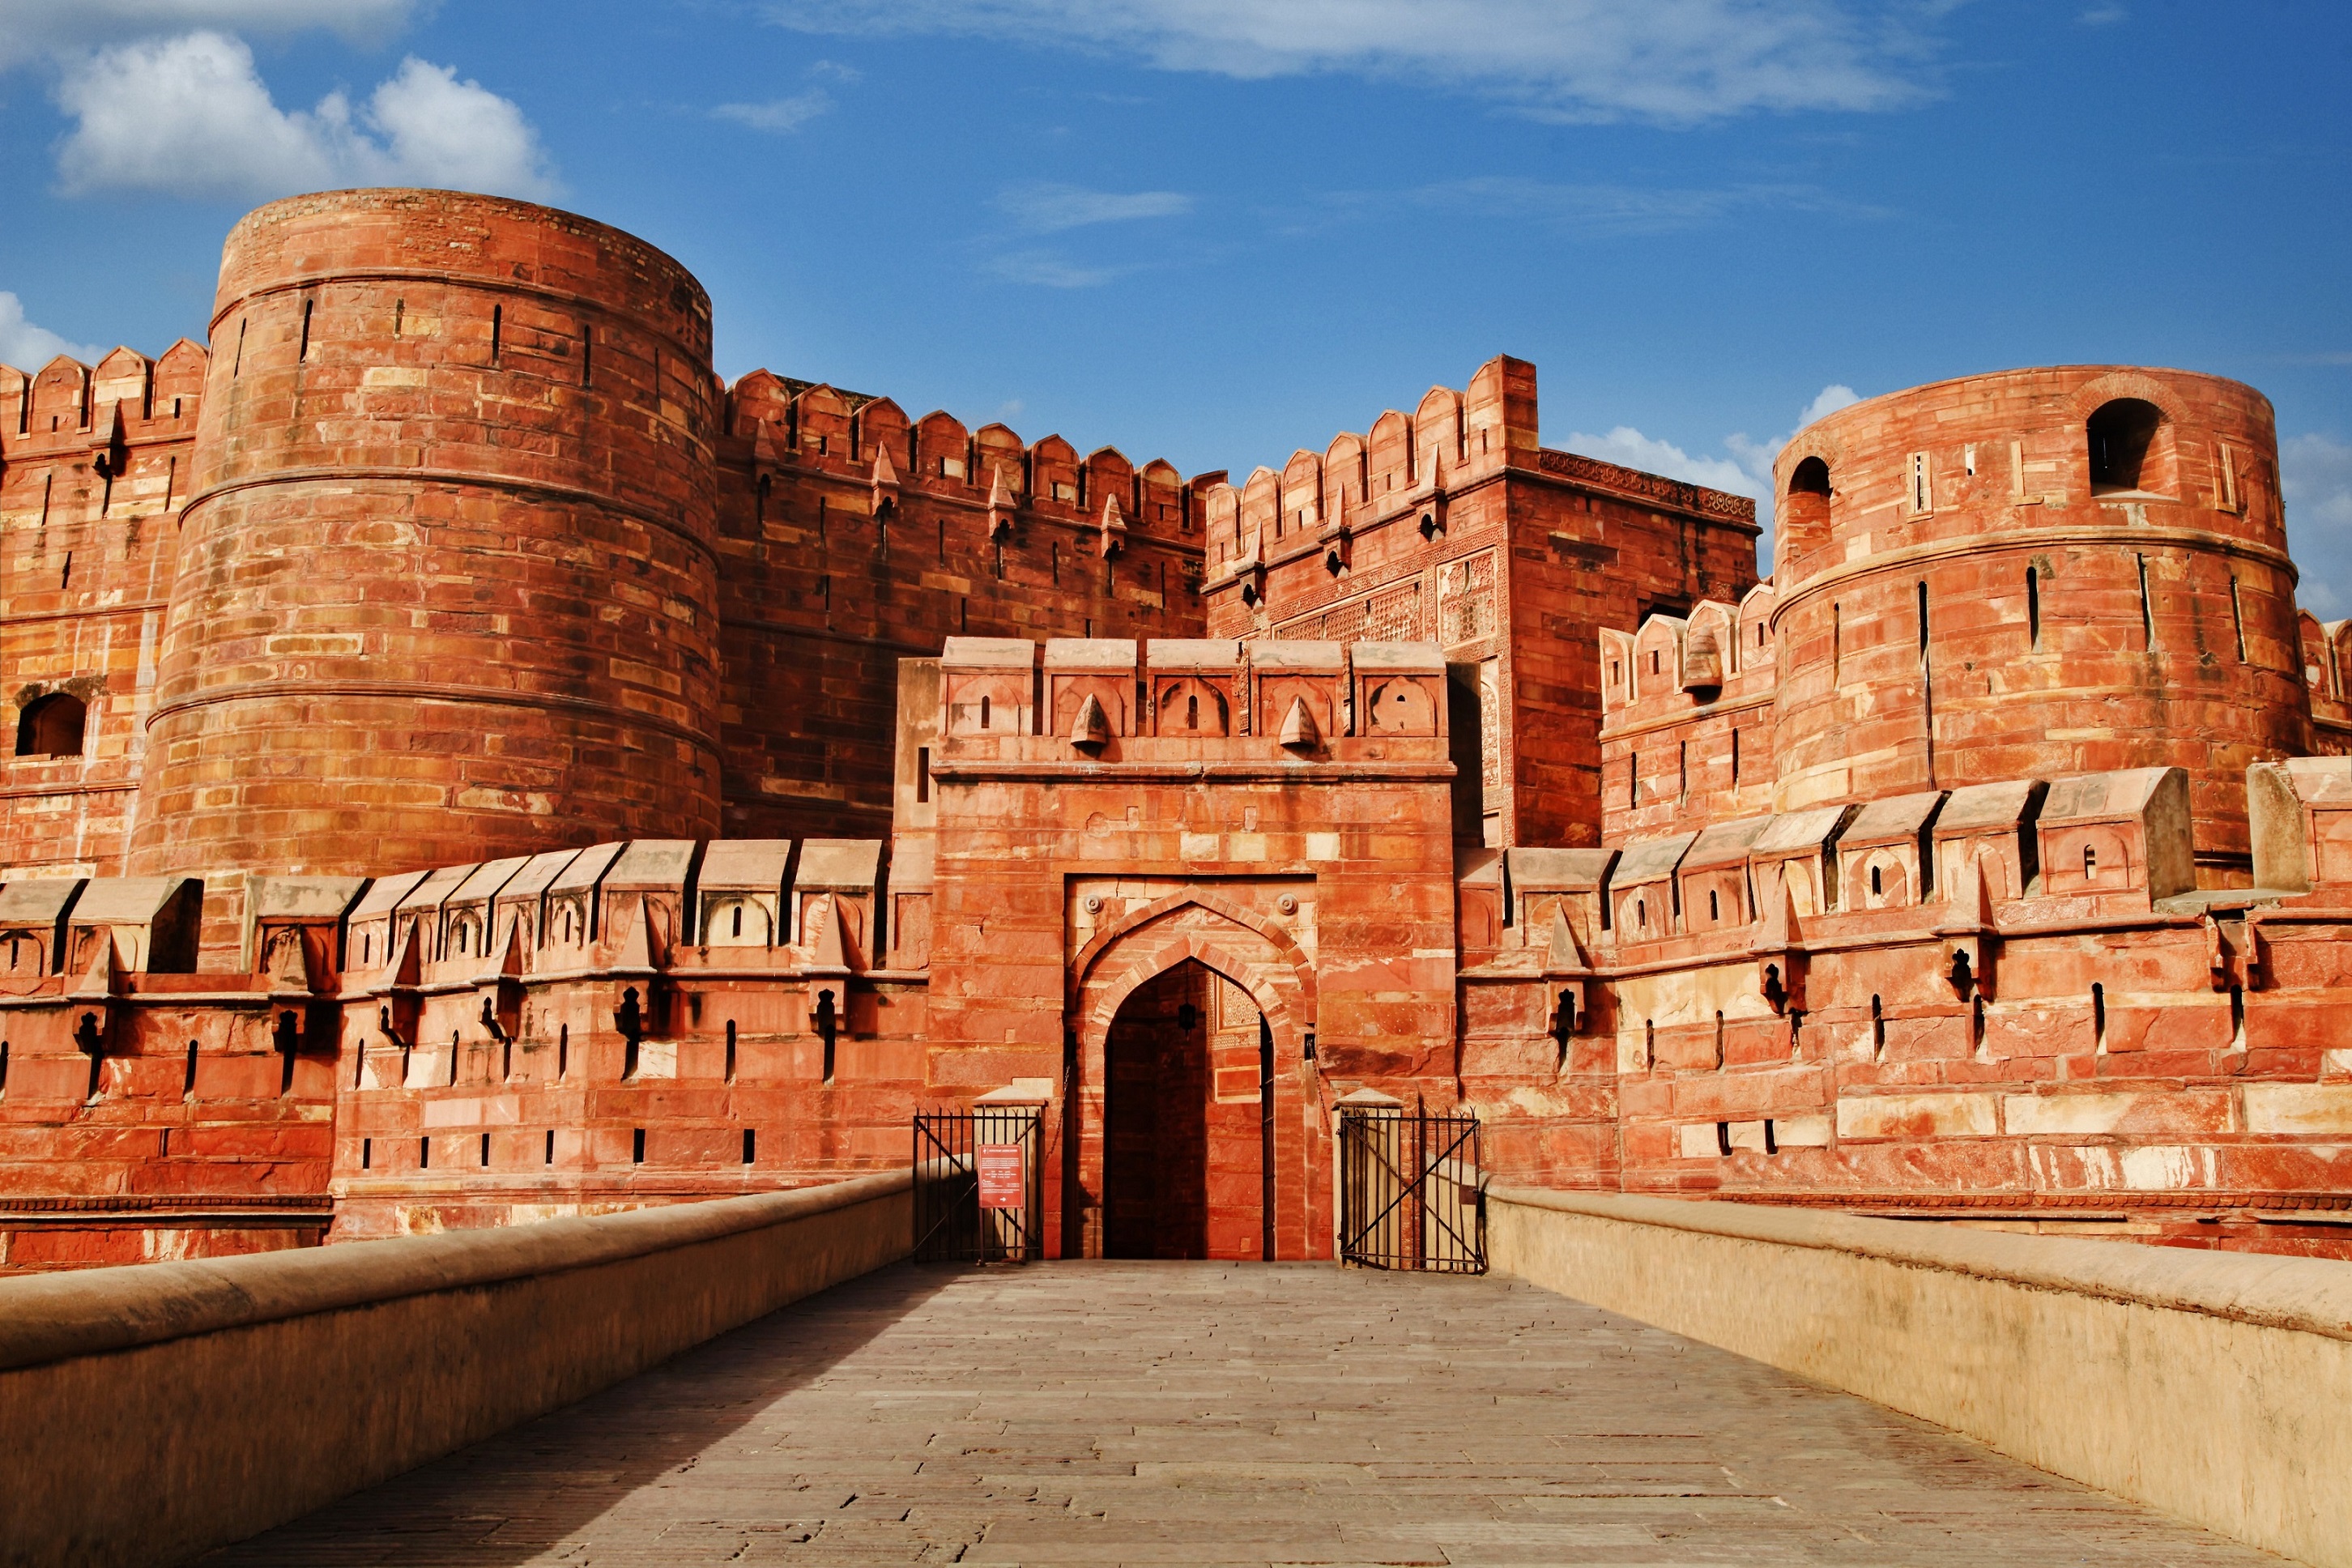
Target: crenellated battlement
x=854, y=437
x=2327, y=673
x=126, y=399
x=1094, y=701
x=97, y=462
x=2092, y=845
x=1402, y=473
x=1687, y=716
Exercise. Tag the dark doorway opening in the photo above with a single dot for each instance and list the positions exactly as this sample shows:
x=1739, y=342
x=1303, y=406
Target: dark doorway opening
x=1187, y=1122
x=52, y=726
x=2123, y=435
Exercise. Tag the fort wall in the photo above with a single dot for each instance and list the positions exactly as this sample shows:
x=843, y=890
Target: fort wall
x=853, y=537
x=96, y=463
x=514, y=775
x=1455, y=524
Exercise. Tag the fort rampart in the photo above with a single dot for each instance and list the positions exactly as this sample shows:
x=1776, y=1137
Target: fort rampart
x=473, y=766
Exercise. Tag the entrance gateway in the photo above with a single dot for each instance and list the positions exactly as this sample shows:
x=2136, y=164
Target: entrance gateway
x=1199, y=901
x=1180, y=1175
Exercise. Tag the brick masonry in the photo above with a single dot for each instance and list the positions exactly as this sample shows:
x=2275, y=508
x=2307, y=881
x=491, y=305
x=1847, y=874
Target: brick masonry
x=472, y=765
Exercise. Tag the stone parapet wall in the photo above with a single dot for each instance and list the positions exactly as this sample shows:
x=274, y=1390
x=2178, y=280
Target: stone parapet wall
x=252, y=1390
x=2206, y=1386
x=2003, y=1006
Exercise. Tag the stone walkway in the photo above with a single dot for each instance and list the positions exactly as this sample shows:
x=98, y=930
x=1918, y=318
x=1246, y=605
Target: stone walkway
x=1213, y=1412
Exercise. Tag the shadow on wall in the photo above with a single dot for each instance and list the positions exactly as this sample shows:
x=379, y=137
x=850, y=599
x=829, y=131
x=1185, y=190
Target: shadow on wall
x=515, y=1497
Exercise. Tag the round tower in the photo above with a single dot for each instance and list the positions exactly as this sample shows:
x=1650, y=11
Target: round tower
x=446, y=585
x=2033, y=574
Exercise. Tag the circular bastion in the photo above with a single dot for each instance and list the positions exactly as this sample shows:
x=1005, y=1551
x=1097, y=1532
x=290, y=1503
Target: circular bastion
x=446, y=588
x=2033, y=573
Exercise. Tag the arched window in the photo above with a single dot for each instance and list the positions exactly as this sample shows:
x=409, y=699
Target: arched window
x=52, y=726
x=2123, y=436
x=1803, y=525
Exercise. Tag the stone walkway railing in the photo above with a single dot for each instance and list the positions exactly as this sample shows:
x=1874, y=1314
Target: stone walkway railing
x=164, y=1408
x=2214, y=1386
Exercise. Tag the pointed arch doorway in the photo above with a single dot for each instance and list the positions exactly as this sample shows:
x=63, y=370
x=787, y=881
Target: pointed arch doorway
x=1219, y=1123
x=1187, y=1122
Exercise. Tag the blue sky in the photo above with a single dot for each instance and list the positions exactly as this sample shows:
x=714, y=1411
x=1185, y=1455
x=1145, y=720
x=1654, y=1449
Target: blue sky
x=1215, y=230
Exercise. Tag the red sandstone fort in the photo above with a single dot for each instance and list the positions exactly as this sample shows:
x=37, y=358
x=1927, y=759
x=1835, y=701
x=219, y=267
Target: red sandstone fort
x=471, y=764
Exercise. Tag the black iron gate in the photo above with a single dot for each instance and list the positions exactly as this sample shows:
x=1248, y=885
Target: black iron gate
x=1412, y=1193
x=951, y=1224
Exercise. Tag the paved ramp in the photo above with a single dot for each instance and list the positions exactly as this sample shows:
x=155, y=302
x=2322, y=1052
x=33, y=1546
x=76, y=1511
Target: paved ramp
x=1220, y=1413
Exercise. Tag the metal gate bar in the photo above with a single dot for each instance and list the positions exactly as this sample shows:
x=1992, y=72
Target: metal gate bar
x=1412, y=1190
x=949, y=1224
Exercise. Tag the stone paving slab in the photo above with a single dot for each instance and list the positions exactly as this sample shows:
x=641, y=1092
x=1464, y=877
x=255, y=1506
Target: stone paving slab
x=1169, y=1412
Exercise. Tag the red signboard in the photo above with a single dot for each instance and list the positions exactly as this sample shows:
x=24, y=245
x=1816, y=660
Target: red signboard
x=1000, y=1176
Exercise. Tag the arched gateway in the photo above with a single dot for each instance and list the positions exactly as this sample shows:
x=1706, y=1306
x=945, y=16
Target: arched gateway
x=1187, y=946
x=1194, y=1111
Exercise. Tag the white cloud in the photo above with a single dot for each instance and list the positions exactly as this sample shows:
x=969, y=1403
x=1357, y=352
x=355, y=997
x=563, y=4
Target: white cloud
x=1046, y=269
x=1613, y=210
x=2103, y=16
x=439, y=131
x=1746, y=471
x=28, y=347
x=1044, y=208
x=29, y=27
x=190, y=116
x=778, y=114
x=2315, y=475
x=1628, y=447
x=1837, y=395
x=1678, y=61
